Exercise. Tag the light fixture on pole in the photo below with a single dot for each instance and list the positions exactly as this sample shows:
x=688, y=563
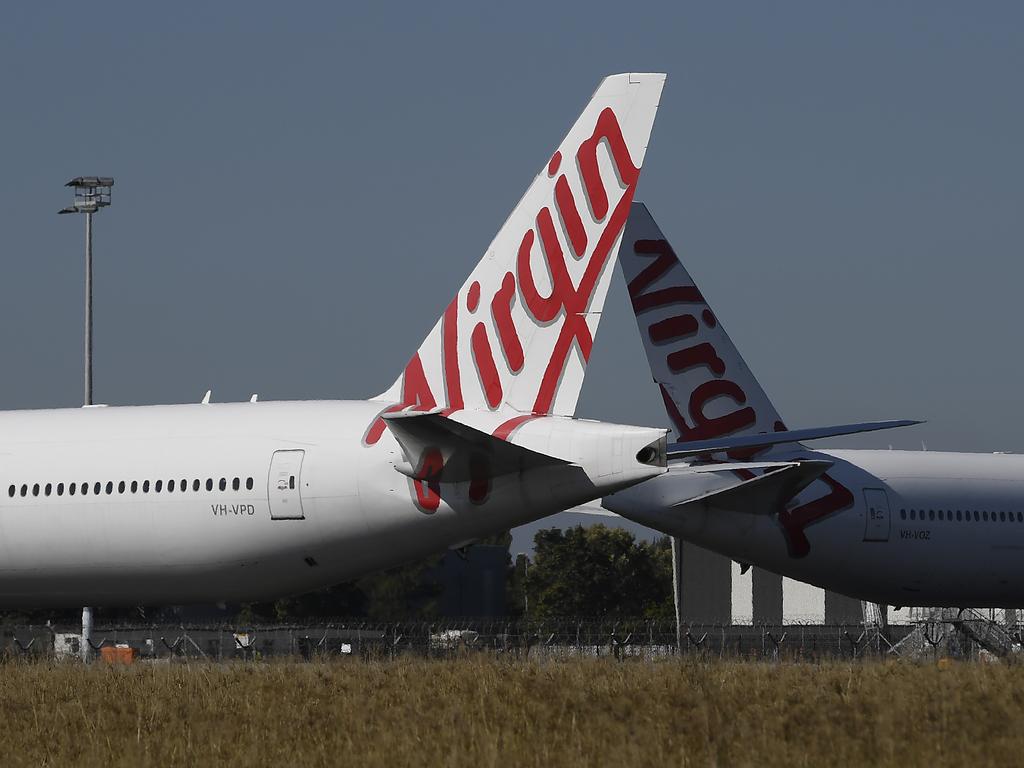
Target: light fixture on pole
x=91, y=194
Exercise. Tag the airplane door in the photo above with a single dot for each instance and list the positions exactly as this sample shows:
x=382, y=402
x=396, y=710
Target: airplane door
x=284, y=485
x=876, y=518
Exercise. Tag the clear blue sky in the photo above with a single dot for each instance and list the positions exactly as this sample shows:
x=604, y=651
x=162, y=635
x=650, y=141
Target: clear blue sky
x=301, y=187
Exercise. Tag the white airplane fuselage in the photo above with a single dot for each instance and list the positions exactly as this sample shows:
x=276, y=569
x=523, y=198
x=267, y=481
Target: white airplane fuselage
x=342, y=509
x=205, y=503
x=948, y=531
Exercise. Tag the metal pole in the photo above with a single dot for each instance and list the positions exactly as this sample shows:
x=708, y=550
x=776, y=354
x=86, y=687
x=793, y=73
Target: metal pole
x=88, y=309
x=677, y=588
x=86, y=648
x=87, y=611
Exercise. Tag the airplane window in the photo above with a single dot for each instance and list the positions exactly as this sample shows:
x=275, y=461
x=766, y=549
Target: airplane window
x=71, y=489
x=1002, y=517
x=984, y=515
x=977, y=516
x=223, y=484
x=248, y=483
x=145, y=486
x=110, y=487
x=931, y=514
x=184, y=486
x=209, y=484
x=158, y=486
x=11, y=491
x=235, y=484
x=941, y=515
x=1020, y=517
x=35, y=489
x=85, y=489
x=959, y=517
x=24, y=489
x=195, y=485
x=135, y=486
x=96, y=488
x=903, y=514
x=60, y=489
x=913, y=514
x=170, y=486
x=120, y=487
x=48, y=489
x=291, y=482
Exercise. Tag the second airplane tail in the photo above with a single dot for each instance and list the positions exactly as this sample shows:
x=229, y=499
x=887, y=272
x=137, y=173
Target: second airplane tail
x=713, y=399
x=709, y=391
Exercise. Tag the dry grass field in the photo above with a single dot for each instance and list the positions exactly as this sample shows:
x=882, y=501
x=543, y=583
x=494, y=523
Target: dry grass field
x=479, y=712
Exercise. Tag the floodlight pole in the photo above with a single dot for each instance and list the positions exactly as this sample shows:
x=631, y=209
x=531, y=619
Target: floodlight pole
x=88, y=308
x=91, y=194
x=86, y=642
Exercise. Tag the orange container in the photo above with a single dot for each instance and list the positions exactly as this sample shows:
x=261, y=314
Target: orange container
x=116, y=655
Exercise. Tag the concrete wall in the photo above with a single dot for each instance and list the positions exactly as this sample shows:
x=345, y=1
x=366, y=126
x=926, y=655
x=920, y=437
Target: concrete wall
x=707, y=586
x=718, y=592
x=766, y=599
x=840, y=609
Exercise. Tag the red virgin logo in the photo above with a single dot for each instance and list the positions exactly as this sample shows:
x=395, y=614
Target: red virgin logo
x=496, y=342
x=680, y=334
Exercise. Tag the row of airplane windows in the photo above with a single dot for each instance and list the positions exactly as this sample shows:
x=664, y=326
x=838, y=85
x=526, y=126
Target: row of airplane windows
x=157, y=486
x=947, y=514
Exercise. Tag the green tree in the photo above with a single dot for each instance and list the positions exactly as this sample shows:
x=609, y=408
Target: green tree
x=599, y=571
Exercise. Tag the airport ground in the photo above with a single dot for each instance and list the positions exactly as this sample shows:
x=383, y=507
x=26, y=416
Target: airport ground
x=479, y=711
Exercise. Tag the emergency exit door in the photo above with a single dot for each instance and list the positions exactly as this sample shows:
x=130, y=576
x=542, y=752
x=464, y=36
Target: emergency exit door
x=876, y=517
x=285, y=483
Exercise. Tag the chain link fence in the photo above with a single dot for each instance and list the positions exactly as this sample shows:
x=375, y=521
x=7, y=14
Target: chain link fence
x=561, y=639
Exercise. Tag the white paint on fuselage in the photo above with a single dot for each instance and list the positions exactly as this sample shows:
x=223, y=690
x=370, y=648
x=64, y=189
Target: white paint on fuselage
x=180, y=547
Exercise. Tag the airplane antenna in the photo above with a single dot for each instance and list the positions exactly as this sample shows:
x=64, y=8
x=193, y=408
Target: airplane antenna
x=253, y=398
x=206, y=397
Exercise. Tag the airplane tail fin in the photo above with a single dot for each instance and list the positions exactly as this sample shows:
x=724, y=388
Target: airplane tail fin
x=520, y=330
x=708, y=389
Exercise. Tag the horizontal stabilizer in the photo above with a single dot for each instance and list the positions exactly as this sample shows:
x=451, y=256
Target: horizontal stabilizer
x=592, y=508
x=440, y=449
x=736, y=466
x=765, y=493
x=717, y=445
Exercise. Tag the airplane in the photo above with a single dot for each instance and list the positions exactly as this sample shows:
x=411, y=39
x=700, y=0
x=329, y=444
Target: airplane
x=899, y=528
x=205, y=502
